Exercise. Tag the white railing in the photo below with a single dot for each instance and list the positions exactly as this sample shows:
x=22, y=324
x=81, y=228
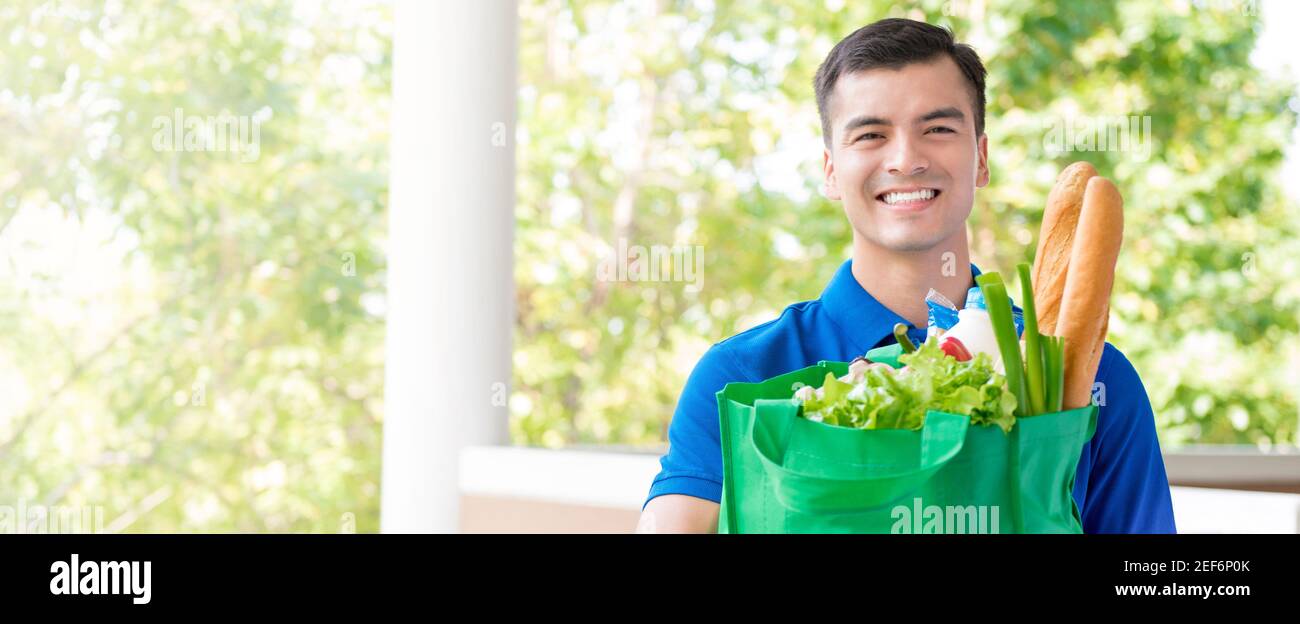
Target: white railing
x=614, y=480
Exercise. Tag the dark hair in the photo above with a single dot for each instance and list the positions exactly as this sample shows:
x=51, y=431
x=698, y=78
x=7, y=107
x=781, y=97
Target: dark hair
x=893, y=43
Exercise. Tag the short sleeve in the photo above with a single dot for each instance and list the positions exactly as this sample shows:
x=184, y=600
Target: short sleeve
x=693, y=463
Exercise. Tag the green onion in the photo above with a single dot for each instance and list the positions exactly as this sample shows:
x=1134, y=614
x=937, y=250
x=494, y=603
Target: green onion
x=1004, y=329
x=1053, y=365
x=1033, y=346
x=900, y=332
x=1059, y=370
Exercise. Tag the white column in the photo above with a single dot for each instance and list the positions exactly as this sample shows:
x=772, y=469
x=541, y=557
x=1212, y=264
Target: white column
x=450, y=251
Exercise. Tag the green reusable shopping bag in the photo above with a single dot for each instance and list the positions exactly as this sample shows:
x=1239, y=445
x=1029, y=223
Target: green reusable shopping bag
x=783, y=473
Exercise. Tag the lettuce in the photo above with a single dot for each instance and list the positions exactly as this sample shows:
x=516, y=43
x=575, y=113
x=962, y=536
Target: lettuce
x=899, y=399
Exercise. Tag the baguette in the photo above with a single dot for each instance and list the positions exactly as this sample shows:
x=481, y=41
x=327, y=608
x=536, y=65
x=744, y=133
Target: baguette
x=1085, y=302
x=1055, y=240
x=1095, y=359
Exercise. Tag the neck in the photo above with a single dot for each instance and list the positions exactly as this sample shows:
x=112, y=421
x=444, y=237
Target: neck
x=900, y=280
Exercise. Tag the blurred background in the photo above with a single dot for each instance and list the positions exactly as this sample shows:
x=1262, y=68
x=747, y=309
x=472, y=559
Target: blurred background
x=195, y=242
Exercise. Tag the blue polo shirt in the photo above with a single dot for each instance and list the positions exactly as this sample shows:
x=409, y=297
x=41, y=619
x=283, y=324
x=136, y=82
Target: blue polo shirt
x=1120, y=485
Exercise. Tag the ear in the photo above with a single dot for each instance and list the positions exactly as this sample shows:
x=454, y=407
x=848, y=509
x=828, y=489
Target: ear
x=831, y=186
x=982, y=174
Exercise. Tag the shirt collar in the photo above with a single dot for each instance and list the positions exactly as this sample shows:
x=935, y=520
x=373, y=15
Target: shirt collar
x=858, y=315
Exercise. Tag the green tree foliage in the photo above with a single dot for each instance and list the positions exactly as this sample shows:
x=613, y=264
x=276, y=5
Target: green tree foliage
x=693, y=123
x=193, y=340
x=226, y=375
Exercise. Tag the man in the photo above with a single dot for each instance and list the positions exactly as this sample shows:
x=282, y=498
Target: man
x=902, y=110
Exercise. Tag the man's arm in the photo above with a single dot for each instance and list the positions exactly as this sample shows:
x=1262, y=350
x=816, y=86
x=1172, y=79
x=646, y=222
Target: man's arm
x=684, y=495
x=678, y=513
x=1127, y=490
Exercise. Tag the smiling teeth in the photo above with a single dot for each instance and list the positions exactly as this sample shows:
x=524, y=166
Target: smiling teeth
x=923, y=194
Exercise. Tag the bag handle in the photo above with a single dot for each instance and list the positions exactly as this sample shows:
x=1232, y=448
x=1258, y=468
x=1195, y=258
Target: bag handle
x=942, y=438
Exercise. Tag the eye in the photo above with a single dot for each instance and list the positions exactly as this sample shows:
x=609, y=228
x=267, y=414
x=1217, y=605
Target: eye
x=870, y=135
x=945, y=129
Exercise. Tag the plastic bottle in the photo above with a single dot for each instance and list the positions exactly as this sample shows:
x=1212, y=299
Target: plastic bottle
x=973, y=332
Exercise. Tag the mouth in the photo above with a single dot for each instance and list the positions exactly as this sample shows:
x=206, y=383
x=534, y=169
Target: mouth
x=909, y=199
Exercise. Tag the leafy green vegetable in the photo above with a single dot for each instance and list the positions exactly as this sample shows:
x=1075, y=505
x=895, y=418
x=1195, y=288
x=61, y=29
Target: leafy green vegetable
x=898, y=399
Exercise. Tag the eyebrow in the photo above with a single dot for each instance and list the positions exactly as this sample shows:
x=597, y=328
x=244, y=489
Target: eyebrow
x=938, y=113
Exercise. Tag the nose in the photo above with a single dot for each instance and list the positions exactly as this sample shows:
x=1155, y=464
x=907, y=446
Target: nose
x=905, y=159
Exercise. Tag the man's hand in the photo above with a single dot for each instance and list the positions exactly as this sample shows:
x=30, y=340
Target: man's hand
x=678, y=513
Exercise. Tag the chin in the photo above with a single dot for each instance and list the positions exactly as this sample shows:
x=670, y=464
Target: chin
x=911, y=245
x=910, y=238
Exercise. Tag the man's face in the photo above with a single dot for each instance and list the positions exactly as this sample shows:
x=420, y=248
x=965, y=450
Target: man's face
x=904, y=157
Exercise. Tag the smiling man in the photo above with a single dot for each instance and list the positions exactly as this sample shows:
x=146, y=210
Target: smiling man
x=902, y=110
